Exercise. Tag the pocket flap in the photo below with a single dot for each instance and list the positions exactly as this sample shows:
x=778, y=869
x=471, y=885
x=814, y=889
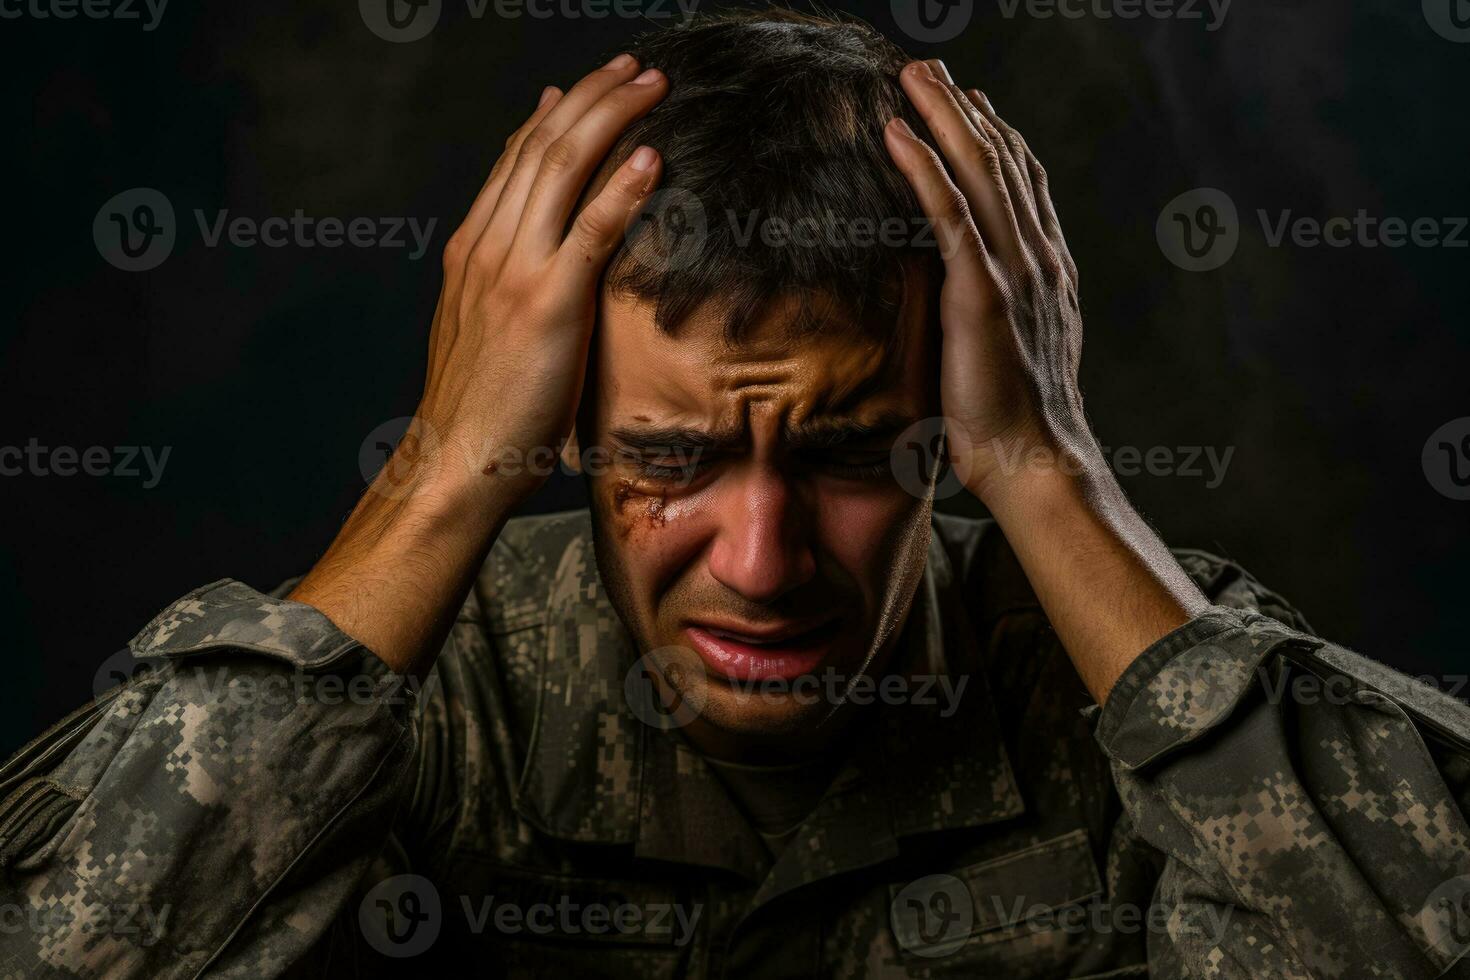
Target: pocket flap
x=939, y=914
x=1032, y=881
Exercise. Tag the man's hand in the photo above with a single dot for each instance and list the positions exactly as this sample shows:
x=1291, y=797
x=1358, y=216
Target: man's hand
x=507, y=359
x=508, y=349
x=1008, y=310
x=1012, y=339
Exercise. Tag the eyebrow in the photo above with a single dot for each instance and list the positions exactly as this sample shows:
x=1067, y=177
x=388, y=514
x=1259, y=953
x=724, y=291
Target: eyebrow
x=816, y=433
x=663, y=438
x=825, y=433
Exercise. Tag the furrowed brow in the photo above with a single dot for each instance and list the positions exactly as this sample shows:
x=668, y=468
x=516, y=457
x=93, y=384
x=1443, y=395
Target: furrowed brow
x=664, y=439
x=825, y=433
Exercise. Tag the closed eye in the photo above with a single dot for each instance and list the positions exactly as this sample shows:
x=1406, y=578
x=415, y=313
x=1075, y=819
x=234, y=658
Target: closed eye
x=856, y=464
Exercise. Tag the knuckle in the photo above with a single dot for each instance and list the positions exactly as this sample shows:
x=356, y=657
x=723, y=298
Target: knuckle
x=1052, y=270
x=559, y=155
x=990, y=158
x=954, y=203
x=482, y=259
x=536, y=142
x=591, y=227
x=989, y=155
x=456, y=250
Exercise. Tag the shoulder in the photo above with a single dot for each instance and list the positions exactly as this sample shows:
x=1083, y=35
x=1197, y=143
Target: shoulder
x=520, y=572
x=982, y=560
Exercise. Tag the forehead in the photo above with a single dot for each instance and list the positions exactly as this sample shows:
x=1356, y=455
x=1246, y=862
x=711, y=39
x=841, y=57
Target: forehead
x=696, y=377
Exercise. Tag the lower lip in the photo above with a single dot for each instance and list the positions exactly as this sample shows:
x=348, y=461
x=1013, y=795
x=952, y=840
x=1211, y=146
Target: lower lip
x=757, y=662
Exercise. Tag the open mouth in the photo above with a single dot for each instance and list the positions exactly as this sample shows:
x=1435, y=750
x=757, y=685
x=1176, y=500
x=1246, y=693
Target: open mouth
x=744, y=653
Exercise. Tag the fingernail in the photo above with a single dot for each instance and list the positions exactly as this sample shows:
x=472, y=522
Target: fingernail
x=648, y=77
x=546, y=93
x=980, y=97
x=621, y=61
x=642, y=158
x=942, y=72
x=922, y=69
x=903, y=127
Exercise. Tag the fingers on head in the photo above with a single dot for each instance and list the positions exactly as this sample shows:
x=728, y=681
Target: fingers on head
x=600, y=226
x=457, y=249
x=1035, y=174
x=944, y=203
x=976, y=161
x=559, y=117
x=569, y=162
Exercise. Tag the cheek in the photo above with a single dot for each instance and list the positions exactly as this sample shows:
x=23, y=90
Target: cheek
x=866, y=532
x=656, y=532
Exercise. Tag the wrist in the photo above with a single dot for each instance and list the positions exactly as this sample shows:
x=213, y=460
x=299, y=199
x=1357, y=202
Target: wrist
x=1006, y=472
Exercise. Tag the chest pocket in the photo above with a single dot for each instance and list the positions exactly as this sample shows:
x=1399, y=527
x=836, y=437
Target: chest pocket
x=1022, y=913
x=524, y=923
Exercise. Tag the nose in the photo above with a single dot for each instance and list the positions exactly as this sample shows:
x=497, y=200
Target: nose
x=761, y=549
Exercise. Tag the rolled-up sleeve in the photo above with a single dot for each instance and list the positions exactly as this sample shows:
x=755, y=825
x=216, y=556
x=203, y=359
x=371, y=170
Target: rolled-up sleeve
x=216, y=810
x=1311, y=804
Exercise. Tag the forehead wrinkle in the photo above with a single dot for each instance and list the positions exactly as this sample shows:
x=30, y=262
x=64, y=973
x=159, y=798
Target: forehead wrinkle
x=831, y=378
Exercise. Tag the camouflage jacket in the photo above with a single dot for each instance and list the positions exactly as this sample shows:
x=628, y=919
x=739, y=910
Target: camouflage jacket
x=267, y=799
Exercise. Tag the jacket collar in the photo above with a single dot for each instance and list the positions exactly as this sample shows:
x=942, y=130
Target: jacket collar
x=594, y=773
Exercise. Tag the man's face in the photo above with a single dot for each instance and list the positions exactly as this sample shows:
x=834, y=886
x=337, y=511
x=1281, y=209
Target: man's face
x=748, y=517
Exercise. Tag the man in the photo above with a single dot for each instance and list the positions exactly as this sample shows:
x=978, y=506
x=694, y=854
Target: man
x=759, y=712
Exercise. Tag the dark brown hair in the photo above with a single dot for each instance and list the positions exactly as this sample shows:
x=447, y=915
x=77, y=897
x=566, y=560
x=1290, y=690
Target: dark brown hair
x=776, y=116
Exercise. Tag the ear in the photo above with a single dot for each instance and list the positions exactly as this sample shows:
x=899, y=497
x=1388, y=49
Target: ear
x=571, y=452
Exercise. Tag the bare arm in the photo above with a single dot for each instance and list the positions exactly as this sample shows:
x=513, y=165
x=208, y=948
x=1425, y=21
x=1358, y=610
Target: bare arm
x=508, y=353
x=1017, y=434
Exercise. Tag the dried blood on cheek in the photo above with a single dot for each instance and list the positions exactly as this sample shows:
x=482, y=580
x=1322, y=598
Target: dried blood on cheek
x=652, y=514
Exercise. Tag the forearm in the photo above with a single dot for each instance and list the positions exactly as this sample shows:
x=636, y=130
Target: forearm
x=396, y=575
x=1109, y=586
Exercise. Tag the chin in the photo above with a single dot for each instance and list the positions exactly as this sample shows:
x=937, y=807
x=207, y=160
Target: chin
x=756, y=714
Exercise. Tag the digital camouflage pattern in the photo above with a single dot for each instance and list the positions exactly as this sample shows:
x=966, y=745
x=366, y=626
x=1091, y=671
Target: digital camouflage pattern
x=266, y=799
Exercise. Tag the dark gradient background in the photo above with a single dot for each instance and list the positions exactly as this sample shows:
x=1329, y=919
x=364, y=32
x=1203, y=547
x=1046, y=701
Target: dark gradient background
x=264, y=369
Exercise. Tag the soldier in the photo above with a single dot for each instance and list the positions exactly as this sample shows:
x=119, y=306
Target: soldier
x=758, y=711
